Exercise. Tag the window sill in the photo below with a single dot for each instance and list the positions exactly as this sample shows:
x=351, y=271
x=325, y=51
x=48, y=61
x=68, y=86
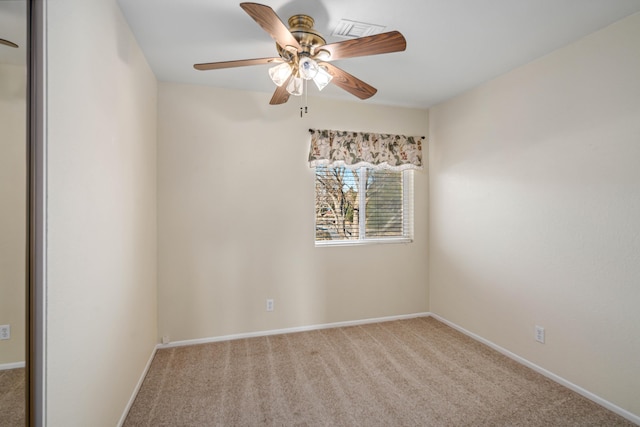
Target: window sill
x=328, y=243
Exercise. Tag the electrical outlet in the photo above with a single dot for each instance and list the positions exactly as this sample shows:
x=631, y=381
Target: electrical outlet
x=5, y=332
x=540, y=334
x=165, y=339
x=269, y=305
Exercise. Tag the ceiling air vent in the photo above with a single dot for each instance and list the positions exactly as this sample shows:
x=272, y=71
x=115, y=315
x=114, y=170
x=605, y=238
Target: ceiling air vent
x=352, y=29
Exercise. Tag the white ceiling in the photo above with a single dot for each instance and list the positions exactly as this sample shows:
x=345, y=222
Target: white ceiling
x=452, y=45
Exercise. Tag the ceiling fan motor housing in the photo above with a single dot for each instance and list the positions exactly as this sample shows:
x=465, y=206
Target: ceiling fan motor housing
x=301, y=27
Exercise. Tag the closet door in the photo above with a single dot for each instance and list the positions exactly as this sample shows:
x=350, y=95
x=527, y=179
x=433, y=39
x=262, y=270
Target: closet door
x=13, y=211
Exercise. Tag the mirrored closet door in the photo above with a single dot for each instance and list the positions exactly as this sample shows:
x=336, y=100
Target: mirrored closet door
x=13, y=210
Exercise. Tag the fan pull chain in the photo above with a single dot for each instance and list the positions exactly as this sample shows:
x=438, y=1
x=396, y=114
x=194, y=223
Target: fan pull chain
x=306, y=82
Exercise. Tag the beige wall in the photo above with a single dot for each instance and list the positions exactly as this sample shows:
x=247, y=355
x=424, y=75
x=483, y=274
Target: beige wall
x=12, y=209
x=535, y=207
x=102, y=213
x=236, y=218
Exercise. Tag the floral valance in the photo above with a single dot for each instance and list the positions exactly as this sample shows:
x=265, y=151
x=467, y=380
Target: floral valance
x=357, y=149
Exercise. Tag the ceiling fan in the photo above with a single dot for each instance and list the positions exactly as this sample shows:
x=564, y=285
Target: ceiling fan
x=8, y=43
x=303, y=54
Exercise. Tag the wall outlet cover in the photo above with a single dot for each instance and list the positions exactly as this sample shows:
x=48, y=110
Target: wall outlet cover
x=5, y=332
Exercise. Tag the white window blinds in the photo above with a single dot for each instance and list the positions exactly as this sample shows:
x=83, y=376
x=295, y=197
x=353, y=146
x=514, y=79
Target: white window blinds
x=363, y=205
x=364, y=186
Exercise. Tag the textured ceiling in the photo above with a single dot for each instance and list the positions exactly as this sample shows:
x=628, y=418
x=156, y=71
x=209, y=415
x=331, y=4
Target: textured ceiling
x=452, y=45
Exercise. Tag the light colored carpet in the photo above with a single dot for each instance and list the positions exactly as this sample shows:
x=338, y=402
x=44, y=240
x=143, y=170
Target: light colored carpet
x=12, y=397
x=416, y=372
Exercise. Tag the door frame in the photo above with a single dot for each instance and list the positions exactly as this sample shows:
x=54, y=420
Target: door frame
x=35, y=411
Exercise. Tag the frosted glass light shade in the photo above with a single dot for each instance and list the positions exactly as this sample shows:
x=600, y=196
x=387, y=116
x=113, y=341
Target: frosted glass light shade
x=280, y=73
x=322, y=55
x=308, y=68
x=295, y=86
x=322, y=78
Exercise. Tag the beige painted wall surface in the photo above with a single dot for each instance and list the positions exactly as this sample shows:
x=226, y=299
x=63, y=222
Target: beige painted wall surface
x=535, y=207
x=102, y=319
x=13, y=189
x=236, y=218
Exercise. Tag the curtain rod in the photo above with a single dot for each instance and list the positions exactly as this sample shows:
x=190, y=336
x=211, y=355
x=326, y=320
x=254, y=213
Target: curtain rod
x=311, y=130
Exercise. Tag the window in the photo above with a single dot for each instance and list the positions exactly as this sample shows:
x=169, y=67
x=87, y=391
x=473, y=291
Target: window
x=355, y=206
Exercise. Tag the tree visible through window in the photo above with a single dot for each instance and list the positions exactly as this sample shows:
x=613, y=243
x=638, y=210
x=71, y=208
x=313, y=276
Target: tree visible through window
x=363, y=204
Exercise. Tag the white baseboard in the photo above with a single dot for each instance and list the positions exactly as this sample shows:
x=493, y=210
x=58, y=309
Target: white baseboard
x=597, y=399
x=14, y=365
x=137, y=388
x=291, y=330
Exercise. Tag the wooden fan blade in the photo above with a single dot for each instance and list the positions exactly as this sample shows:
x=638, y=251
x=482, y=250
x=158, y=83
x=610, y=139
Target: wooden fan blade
x=351, y=84
x=269, y=21
x=8, y=43
x=389, y=42
x=280, y=96
x=232, y=64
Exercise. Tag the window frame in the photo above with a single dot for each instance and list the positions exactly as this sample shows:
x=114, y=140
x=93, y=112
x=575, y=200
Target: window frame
x=407, y=217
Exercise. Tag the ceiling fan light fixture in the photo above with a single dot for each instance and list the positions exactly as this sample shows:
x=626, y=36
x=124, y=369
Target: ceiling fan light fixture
x=280, y=73
x=322, y=78
x=295, y=86
x=304, y=53
x=322, y=55
x=308, y=68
